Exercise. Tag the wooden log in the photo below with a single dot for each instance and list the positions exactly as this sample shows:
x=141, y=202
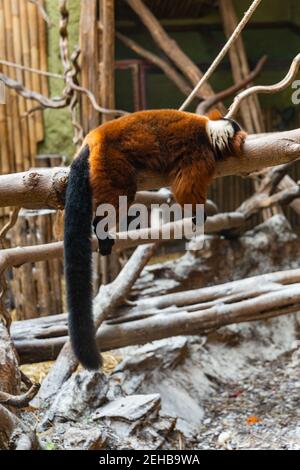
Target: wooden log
x=141, y=331
x=16, y=257
x=191, y=312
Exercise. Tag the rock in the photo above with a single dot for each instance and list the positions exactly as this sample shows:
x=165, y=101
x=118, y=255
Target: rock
x=133, y=371
x=166, y=353
x=81, y=393
x=224, y=439
x=162, y=367
x=131, y=408
x=135, y=422
x=84, y=439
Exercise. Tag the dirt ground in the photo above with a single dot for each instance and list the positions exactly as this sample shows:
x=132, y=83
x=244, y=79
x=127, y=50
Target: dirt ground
x=262, y=412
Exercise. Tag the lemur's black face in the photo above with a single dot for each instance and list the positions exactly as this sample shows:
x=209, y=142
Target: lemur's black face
x=236, y=127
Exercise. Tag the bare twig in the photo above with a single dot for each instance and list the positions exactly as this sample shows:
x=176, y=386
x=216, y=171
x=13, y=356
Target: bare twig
x=54, y=103
x=205, y=105
x=4, y=313
x=72, y=88
x=13, y=216
x=19, y=401
x=222, y=53
x=30, y=69
x=269, y=89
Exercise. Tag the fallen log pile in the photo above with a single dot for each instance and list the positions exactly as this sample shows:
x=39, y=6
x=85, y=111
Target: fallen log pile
x=183, y=313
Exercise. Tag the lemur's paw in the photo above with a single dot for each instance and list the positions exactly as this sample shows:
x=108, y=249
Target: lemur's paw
x=105, y=246
x=198, y=223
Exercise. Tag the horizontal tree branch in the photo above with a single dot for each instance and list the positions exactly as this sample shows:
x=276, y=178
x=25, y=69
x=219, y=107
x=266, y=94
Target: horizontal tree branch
x=45, y=187
x=17, y=256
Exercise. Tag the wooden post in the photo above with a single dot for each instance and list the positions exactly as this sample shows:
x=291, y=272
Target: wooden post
x=107, y=68
x=4, y=140
x=12, y=98
x=109, y=266
x=89, y=44
x=18, y=58
x=35, y=63
x=28, y=80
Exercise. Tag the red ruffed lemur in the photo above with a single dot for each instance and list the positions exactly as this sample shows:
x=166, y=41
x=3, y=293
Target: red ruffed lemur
x=181, y=145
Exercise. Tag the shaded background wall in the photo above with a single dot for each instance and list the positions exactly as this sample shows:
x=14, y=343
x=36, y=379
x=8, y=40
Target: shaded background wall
x=274, y=30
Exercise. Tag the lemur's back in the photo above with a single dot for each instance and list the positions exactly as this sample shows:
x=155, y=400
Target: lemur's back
x=150, y=139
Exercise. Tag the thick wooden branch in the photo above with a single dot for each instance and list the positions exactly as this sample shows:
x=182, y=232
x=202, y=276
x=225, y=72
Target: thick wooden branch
x=45, y=187
x=16, y=257
x=192, y=312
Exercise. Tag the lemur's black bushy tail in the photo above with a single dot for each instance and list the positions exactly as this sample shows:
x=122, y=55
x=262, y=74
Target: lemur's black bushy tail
x=78, y=262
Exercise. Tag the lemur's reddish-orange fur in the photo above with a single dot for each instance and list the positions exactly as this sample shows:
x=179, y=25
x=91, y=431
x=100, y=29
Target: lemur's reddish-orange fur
x=163, y=141
x=181, y=145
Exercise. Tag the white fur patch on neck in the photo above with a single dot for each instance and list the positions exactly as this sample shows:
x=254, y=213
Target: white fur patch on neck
x=219, y=133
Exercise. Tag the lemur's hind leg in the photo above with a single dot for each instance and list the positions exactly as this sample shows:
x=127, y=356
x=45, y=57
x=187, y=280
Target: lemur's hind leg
x=190, y=186
x=119, y=182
